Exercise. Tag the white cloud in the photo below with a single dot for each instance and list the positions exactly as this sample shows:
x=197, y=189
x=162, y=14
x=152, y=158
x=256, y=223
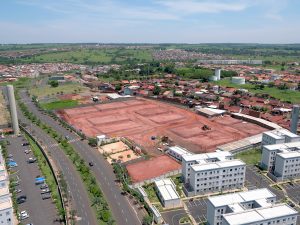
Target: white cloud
x=193, y=6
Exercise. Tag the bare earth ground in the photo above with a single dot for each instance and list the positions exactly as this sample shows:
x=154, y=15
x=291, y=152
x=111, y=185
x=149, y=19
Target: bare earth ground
x=139, y=119
x=113, y=147
x=4, y=114
x=152, y=168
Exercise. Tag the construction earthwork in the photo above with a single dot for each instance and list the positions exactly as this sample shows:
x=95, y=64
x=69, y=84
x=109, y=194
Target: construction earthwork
x=139, y=119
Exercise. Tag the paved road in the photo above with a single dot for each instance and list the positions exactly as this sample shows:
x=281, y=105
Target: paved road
x=80, y=201
x=173, y=217
x=27, y=173
x=123, y=211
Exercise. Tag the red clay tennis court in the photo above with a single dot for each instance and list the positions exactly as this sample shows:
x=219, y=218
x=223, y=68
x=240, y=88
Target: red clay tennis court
x=139, y=119
x=152, y=168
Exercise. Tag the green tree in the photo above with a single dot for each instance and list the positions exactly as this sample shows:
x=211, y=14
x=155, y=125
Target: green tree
x=53, y=83
x=156, y=90
x=147, y=220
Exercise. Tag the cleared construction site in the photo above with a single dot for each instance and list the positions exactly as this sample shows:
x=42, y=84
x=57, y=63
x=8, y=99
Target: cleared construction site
x=146, y=121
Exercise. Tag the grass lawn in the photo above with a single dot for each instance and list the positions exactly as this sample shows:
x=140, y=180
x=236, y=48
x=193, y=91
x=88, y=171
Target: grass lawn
x=250, y=157
x=46, y=171
x=49, y=91
x=283, y=95
x=149, y=189
x=59, y=104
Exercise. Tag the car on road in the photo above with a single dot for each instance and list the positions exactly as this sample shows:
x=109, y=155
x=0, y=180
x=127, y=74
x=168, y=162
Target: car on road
x=39, y=180
x=10, y=156
x=25, y=144
x=31, y=160
x=23, y=215
x=91, y=164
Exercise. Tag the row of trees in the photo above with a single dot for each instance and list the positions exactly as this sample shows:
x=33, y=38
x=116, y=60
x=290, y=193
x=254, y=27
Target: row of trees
x=95, y=193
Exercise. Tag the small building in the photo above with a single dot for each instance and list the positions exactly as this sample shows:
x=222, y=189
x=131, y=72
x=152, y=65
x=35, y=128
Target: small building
x=130, y=90
x=249, y=208
x=166, y=191
x=100, y=139
x=210, y=112
x=238, y=80
x=177, y=152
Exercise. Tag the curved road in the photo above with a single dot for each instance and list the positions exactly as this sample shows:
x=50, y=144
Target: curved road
x=79, y=196
x=123, y=212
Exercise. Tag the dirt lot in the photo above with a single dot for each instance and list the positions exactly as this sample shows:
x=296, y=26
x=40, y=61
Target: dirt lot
x=140, y=119
x=152, y=168
x=124, y=156
x=113, y=148
x=4, y=114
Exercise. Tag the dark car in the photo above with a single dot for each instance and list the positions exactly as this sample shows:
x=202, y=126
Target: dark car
x=22, y=197
x=25, y=144
x=91, y=164
x=20, y=201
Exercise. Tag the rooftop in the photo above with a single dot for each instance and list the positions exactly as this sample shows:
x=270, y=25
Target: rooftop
x=167, y=189
x=234, y=198
x=259, y=214
x=218, y=154
x=5, y=204
x=217, y=165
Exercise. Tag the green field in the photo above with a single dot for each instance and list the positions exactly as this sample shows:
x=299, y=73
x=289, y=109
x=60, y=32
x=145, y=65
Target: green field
x=93, y=56
x=250, y=157
x=283, y=95
x=41, y=92
x=59, y=104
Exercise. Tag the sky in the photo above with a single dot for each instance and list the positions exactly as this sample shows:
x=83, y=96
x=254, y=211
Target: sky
x=149, y=21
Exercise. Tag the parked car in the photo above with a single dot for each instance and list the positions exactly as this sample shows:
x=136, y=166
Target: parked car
x=31, y=160
x=47, y=190
x=12, y=164
x=10, y=156
x=91, y=164
x=21, y=200
x=23, y=215
x=44, y=186
x=27, y=151
x=46, y=196
x=22, y=197
x=17, y=191
x=25, y=144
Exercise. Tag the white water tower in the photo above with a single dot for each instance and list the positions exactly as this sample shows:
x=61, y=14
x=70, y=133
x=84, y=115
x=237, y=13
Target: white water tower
x=218, y=73
x=13, y=109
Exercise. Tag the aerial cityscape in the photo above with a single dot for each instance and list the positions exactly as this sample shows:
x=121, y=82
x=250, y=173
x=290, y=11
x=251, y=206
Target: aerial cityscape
x=149, y=112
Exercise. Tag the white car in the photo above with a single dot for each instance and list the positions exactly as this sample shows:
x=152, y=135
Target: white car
x=23, y=215
x=27, y=151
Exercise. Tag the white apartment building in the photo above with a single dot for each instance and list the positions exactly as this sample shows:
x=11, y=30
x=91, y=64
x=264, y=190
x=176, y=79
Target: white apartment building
x=281, y=160
x=189, y=160
x=6, y=211
x=278, y=136
x=255, y=207
x=166, y=190
x=6, y=206
x=177, y=152
x=212, y=172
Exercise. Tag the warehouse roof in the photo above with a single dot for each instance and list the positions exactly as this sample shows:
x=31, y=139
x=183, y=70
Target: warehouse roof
x=167, y=189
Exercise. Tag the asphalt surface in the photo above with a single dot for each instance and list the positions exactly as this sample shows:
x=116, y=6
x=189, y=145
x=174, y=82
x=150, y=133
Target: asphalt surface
x=123, y=212
x=255, y=180
x=79, y=196
x=172, y=217
x=197, y=209
x=26, y=174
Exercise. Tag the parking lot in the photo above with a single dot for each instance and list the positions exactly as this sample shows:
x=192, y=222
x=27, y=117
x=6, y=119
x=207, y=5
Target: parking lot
x=256, y=180
x=293, y=191
x=41, y=212
x=172, y=217
x=197, y=209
